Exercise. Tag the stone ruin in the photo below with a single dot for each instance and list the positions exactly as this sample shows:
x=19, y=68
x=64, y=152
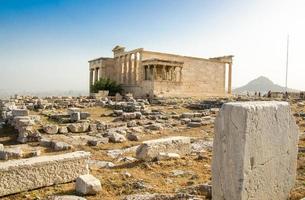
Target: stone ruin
x=254, y=150
x=27, y=174
x=147, y=74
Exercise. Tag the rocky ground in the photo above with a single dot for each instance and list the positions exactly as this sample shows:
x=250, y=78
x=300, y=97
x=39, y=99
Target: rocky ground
x=112, y=131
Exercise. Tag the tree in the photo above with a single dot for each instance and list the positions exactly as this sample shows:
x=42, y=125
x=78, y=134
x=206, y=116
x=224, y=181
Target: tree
x=106, y=84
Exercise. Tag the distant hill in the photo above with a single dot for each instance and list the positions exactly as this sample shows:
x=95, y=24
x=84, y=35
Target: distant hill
x=261, y=84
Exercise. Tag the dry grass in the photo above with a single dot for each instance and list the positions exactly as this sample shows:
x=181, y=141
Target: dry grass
x=156, y=176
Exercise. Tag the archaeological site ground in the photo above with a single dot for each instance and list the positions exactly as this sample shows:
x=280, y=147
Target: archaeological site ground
x=152, y=149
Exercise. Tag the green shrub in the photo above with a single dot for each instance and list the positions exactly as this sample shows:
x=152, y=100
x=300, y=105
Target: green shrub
x=106, y=84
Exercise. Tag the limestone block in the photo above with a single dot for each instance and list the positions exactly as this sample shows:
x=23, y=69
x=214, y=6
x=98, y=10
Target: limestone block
x=84, y=115
x=129, y=116
x=138, y=115
x=194, y=124
x=24, y=122
x=73, y=110
x=11, y=153
x=150, y=150
x=97, y=141
x=45, y=142
x=168, y=156
x=118, y=112
x=78, y=127
x=185, y=120
x=75, y=116
x=155, y=127
x=63, y=130
x=27, y=134
x=196, y=119
x=20, y=121
x=93, y=127
x=132, y=123
x=61, y=146
x=254, y=151
x=100, y=164
x=157, y=196
x=50, y=129
x=20, y=112
x=187, y=115
x=133, y=137
x=65, y=197
x=87, y=184
x=117, y=138
x=31, y=173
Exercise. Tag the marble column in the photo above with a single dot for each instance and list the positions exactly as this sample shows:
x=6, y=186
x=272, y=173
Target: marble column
x=121, y=69
x=140, y=68
x=129, y=69
x=230, y=79
x=170, y=73
x=180, y=75
x=174, y=74
x=135, y=68
x=96, y=75
x=163, y=73
x=150, y=73
x=100, y=73
x=125, y=70
x=154, y=72
x=117, y=67
x=91, y=77
x=145, y=72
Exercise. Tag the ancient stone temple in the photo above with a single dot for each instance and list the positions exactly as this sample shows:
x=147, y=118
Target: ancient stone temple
x=148, y=74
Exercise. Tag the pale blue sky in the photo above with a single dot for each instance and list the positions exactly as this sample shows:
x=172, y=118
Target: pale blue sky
x=45, y=45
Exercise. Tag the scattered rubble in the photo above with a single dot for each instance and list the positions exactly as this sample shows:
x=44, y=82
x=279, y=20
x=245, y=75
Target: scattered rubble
x=141, y=149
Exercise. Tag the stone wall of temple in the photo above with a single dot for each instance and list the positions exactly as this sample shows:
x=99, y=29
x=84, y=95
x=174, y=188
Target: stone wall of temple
x=199, y=77
x=108, y=70
x=101, y=68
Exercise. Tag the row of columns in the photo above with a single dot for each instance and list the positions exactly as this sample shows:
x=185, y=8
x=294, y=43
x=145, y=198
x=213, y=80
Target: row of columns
x=95, y=75
x=168, y=73
x=128, y=67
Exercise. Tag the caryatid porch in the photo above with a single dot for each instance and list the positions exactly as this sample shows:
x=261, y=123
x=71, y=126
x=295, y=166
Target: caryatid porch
x=162, y=70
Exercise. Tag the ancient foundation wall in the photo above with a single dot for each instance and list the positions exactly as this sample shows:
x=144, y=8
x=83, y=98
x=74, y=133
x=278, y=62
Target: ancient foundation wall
x=141, y=90
x=27, y=174
x=168, y=89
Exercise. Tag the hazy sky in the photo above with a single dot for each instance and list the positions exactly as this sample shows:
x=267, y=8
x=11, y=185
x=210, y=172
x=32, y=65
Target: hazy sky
x=45, y=45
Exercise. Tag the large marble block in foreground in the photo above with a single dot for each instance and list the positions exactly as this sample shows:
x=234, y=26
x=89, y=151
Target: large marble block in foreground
x=27, y=174
x=254, y=151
